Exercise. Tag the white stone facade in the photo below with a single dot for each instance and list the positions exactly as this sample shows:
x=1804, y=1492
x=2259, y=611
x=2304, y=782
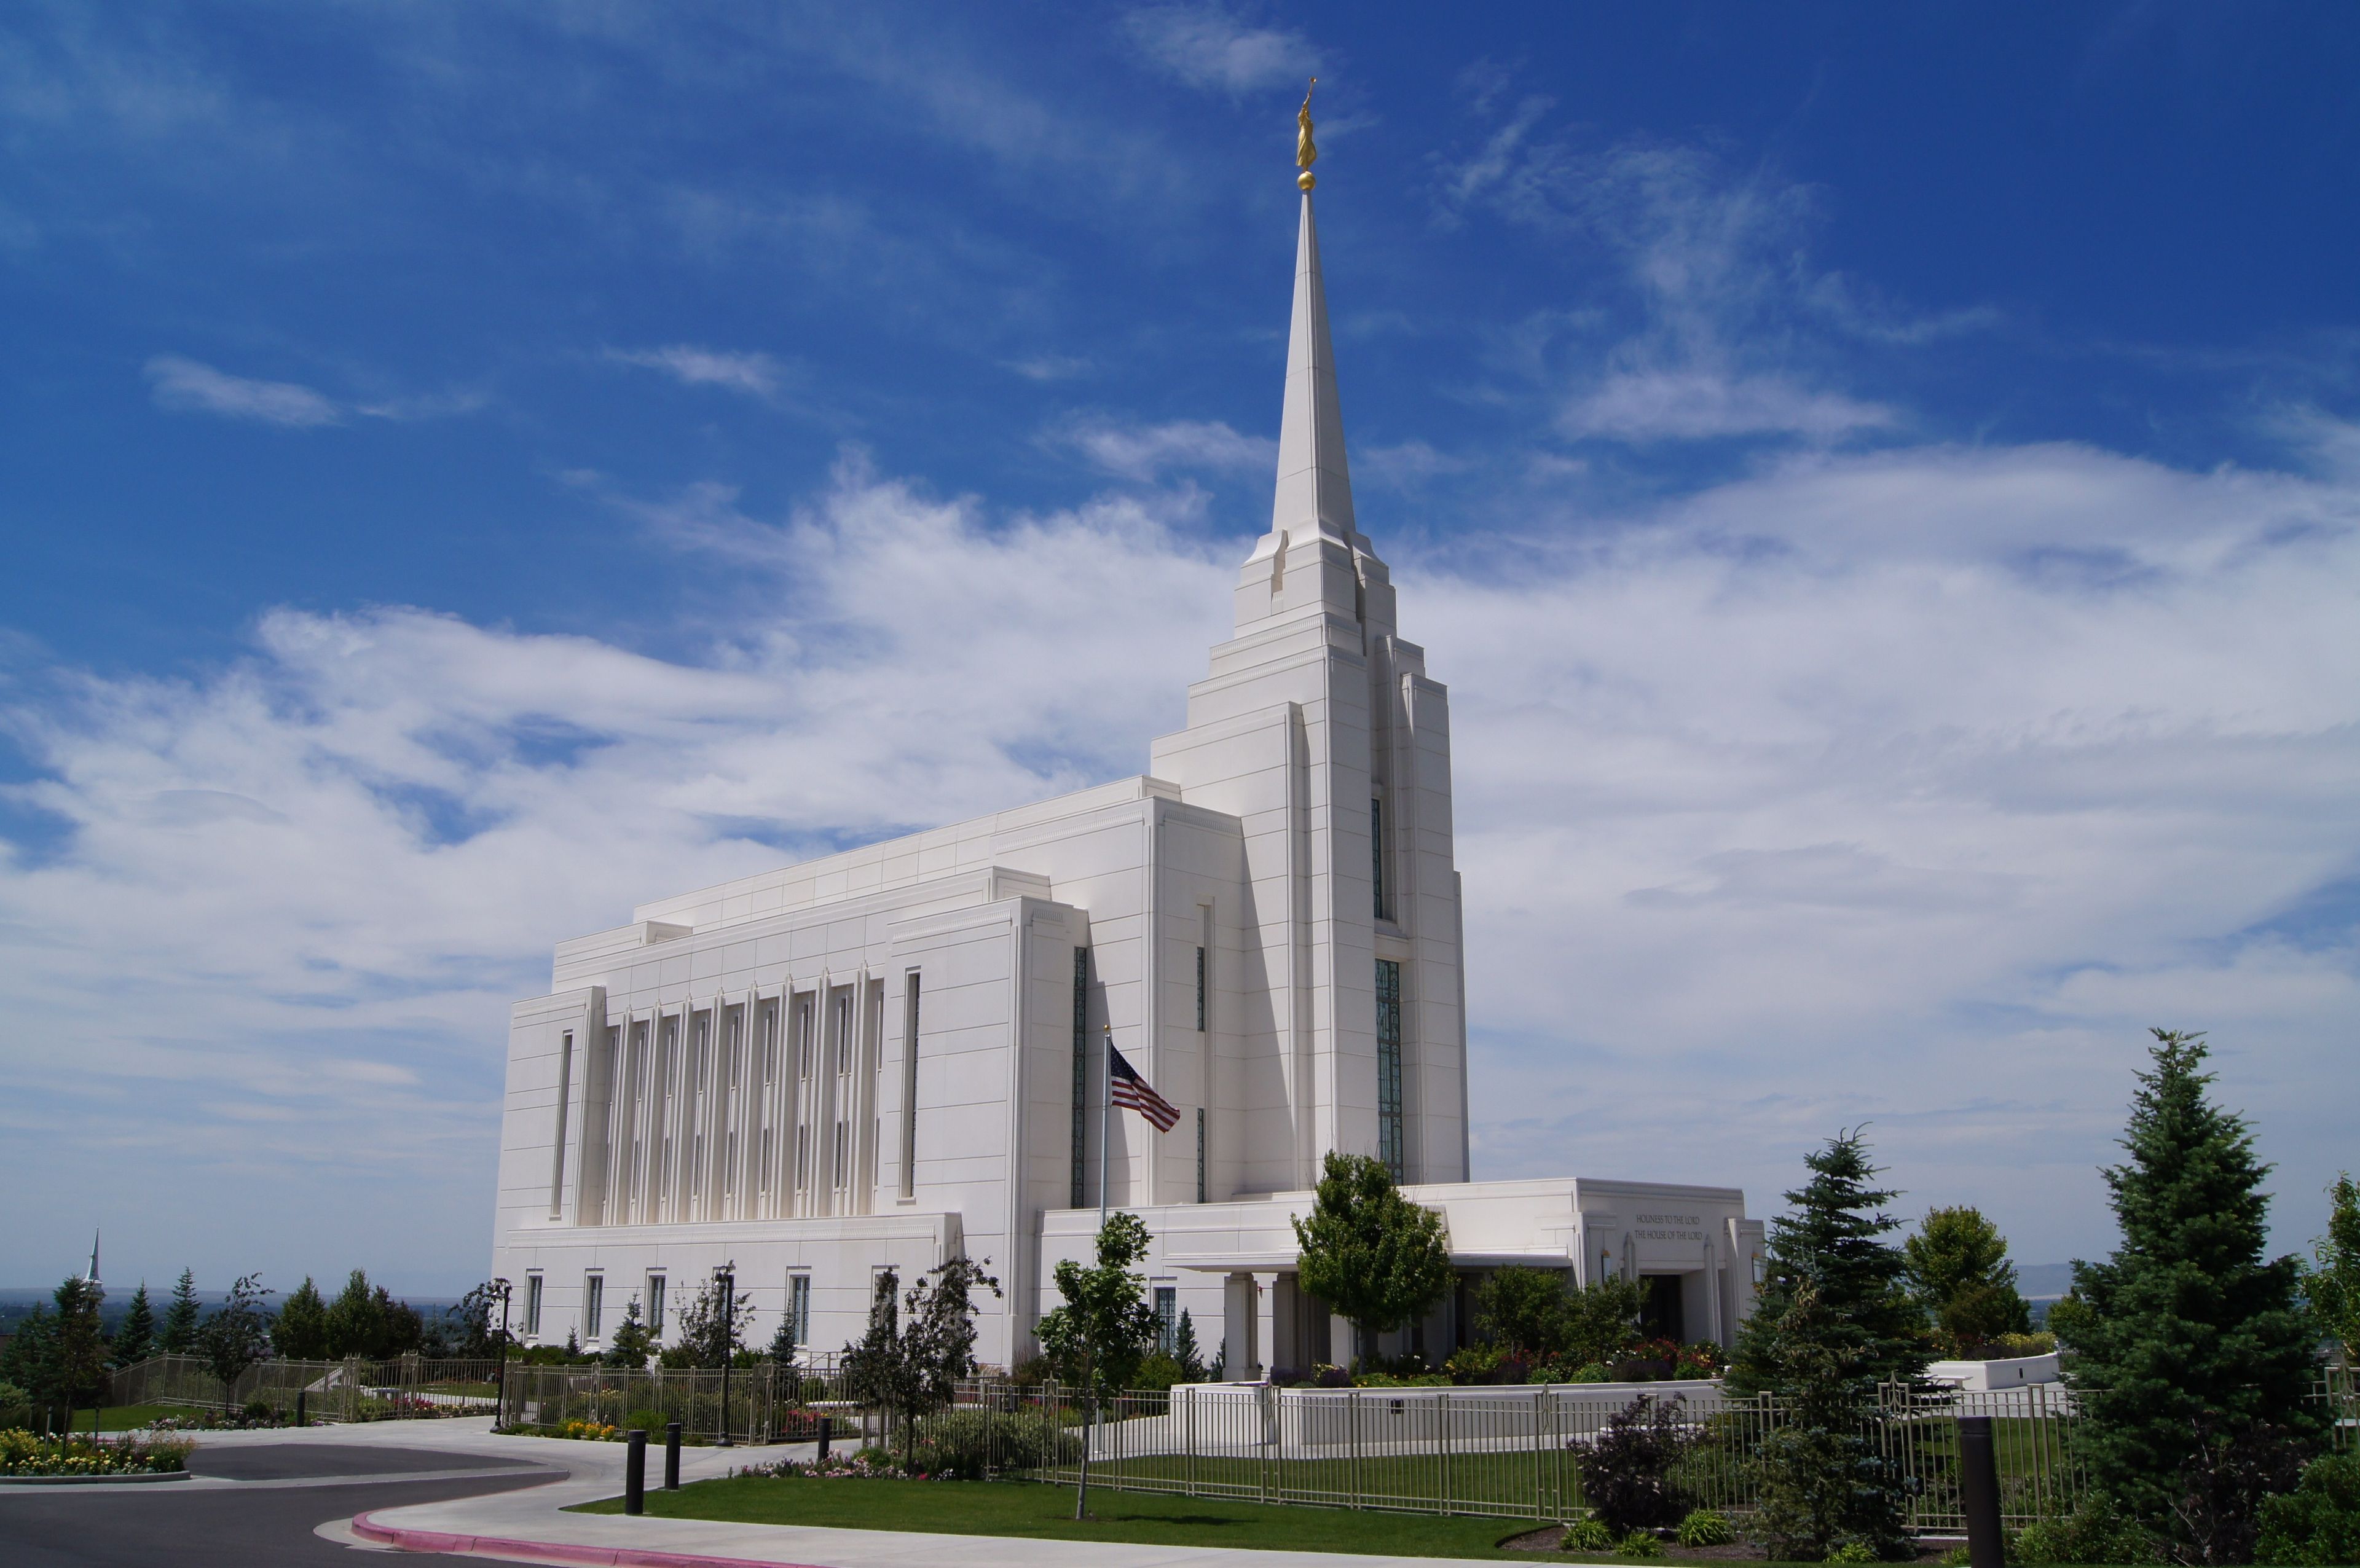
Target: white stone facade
x=892, y=1054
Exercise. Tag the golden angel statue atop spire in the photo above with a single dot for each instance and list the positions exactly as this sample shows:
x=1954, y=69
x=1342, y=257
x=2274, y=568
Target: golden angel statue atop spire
x=1305, y=154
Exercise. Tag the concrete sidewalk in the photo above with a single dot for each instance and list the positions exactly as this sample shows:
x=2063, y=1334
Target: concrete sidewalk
x=529, y=1525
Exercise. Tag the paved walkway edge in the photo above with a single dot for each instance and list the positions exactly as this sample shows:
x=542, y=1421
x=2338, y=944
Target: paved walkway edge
x=368, y=1528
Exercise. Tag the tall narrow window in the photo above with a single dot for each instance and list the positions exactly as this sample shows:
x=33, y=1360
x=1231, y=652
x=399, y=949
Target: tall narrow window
x=1389, y=1066
x=1081, y=1070
x=909, y=1088
x=1200, y=1154
x=532, y=1304
x=1377, y=852
x=1167, y=1318
x=655, y=1303
x=799, y=1306
x=843, y=1145
x=1200, y=990
x=565, y=1094
x=594, y=1304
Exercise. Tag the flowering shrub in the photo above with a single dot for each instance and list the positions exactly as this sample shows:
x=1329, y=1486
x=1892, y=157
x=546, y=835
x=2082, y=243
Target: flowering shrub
x=867, y=1465
x=23, y=1453
x=253, y=1416
x=590, y=1431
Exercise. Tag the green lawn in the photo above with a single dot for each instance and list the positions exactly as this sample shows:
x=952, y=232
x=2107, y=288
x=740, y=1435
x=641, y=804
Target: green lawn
x=1026, y=1508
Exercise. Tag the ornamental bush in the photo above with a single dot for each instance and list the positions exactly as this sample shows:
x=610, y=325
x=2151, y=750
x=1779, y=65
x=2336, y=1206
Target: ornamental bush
x=1587, y=1535
x=969, y=1443
x=2318, y=1522
x=2095, y=1532
x=1707, y=1527
x=1626, y=1468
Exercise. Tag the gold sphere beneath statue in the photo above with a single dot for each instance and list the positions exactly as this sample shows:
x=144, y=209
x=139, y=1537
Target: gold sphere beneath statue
x=1305, y=180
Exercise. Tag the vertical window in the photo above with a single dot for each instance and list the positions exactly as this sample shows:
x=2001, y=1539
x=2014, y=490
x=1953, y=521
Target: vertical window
x=655, y=1303
x=1389, y=1066
x=532, y=1304
x=799, y=1307
x=803, y=1156
x=594, y=1304
x=1200, y=1154
x=1200, y=990
x=909, y=1088
x=843, y=1143
x=1377, y=852
x=564, y=1093
x=1167, y=1318
x=804, y=1040
x=1081, y=1070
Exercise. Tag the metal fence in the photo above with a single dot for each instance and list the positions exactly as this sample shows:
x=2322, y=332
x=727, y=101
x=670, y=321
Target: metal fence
x=2339, y=1392
x=407, y=1387
x=764, y=1403
x=1510, y=1452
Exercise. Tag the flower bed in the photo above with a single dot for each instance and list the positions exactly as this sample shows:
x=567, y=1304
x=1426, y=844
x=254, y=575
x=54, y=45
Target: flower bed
x=24, y=1454
x=867, y=1465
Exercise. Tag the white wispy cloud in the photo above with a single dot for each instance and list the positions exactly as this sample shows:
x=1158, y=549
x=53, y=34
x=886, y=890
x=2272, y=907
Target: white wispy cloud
x=1725, y=328
x=185, y=385
x=1143, y=451
x=1821, y=796
x=1209, y=46
x=754, y=373
x=1694, y=404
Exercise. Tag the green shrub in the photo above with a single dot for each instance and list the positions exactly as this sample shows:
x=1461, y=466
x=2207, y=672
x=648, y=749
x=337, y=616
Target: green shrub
x=1589, y=1535
x=2095, y=1532
x=15, y=1407
x=966, y=1443
x=1627, y=1469
x=1639, y=1544
x=2318, y=1522
x=1853, y=1551
x=1961, y=1557
x=1707, y=1527
x=1159, y=1372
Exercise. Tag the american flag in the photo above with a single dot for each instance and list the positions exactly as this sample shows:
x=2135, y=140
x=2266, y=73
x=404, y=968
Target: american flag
x=1126, y=1088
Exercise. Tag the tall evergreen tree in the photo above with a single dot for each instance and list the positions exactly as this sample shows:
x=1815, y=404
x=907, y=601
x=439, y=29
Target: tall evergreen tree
x=179, y=1336
x=632, y=1341
x=1834, y=1322
x=136, y=1340
x=28, y=1362
x=78, y=1351
x=300, y=1331
x=2190, y=1352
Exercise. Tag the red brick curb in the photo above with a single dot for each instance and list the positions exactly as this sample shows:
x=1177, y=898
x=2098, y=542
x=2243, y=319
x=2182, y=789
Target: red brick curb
x=407, y=1540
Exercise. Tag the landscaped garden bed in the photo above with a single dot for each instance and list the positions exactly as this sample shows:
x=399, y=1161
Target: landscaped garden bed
x=25, y=1454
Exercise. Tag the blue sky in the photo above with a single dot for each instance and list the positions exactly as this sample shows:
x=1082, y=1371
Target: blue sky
x=1881, y=483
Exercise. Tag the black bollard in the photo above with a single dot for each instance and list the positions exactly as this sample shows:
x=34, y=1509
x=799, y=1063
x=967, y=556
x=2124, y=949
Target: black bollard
x=826, y=1429
x=1979, y=1492
x=299, y=1406
x=672, y=1456
x=634, y=1472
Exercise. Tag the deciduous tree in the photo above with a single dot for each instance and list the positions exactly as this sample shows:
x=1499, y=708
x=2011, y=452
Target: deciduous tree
x=1371, y=1254
x=1106, y=1327
x=2334, y=1286
x=1959, y=1272
x=236, y=1336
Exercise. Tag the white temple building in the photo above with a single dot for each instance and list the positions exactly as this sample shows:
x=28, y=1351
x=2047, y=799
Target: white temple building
x=888, y=1056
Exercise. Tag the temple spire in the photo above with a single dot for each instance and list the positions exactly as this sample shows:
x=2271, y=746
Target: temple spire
x=1314, y=485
